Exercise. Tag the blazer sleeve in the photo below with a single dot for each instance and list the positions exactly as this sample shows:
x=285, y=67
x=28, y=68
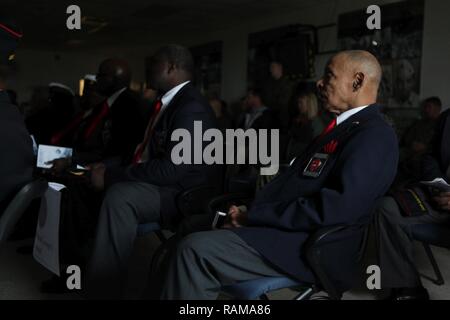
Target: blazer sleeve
x=365, y=170
x=162, y=171
x=431, y=164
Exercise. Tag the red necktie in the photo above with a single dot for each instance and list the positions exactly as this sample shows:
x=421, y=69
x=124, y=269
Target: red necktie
x=329, y=128
x=56, y=139
x=95, y=122
x=148, y=133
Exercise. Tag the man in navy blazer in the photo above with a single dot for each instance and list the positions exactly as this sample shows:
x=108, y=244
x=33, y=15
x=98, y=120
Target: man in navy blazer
x=146, y=191
x=16, y=146
x=336, y=181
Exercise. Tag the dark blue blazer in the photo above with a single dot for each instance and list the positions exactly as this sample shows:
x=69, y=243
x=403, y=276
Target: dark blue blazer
x=187, y=106
x=436, y=163
x=16, y=151
x=294, y=206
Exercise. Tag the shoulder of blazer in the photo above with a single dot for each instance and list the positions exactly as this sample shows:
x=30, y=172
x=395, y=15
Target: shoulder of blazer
x=369, y=120
x=188, y=96
x=444, y=118
x=370, y=116
x=127, y=99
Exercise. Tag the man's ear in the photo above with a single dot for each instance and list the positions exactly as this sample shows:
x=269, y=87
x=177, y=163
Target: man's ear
x=171, y=68
x=358, y=81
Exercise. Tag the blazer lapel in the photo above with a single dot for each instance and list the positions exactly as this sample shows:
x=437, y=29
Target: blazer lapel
x=318, y=145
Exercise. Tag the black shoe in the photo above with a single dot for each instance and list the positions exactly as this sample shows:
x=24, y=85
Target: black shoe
x=54, y=285
x=409, y=294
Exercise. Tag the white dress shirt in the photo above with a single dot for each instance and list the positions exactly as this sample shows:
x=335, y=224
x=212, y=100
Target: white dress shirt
x=114, y=97
x=167, y=99
x=347, y=114
x=165, y=102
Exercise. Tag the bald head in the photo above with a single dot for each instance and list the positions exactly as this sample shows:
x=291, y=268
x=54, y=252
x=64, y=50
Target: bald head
x=366, y=63
x=351, y=80
x=113, y=75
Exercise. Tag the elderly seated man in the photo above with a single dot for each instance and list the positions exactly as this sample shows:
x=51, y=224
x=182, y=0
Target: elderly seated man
x=336, y=181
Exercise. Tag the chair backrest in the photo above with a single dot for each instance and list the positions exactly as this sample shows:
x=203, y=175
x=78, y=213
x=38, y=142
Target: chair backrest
x=334, y=254
x=20, y=203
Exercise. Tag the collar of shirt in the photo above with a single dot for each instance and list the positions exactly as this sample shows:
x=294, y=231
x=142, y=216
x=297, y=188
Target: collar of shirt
x=347, y=114
x=167, y=98
x=114, y=97
x=250, y=118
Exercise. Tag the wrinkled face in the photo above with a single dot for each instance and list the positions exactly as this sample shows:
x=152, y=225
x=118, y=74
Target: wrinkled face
x=158, y=74
x=336, y=86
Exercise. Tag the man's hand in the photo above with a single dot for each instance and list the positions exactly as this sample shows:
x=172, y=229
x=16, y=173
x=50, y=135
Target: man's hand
x=98, y=176
x=236, y=218
x=443, y=201
x=60, y=165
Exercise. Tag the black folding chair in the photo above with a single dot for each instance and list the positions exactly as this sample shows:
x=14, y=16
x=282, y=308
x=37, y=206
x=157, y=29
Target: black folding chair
x=19, y=204
x=322, y=254
x=433, y=235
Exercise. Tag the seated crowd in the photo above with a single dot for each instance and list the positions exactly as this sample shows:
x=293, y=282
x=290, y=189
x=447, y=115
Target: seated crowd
x=341, y=159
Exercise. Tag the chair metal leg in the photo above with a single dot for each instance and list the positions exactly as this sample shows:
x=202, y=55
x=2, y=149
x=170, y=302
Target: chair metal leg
x=439, y=281
x=264, y=297
x=305, y=295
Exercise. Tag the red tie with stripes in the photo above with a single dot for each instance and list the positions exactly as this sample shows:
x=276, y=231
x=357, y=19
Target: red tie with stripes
x=329, y=128
x=96, y=121
x=148, y=133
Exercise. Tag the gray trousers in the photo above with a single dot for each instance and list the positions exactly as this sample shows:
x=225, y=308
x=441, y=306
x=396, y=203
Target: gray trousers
x=203, y=262
x=395, y=246
x=126, y=205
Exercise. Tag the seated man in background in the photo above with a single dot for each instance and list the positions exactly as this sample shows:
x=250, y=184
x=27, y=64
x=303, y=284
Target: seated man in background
x=16, y=147
x=278, y=93
x=336, y=181
x=395, y=220
x=106, y=130
x=146, y=191
x=55, y=114
x=417, y=139
x=256, y=115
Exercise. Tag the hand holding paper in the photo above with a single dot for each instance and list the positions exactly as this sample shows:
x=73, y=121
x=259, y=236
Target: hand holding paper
x=48, y=154
x=439, y=184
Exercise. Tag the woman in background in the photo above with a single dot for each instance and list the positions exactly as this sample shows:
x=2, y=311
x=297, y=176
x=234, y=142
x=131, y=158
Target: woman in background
x=306, y=126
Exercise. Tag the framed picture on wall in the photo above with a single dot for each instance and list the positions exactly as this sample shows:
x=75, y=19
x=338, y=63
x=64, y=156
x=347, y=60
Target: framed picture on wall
x=398, y=46
x=208, y=68
x=290, y=45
